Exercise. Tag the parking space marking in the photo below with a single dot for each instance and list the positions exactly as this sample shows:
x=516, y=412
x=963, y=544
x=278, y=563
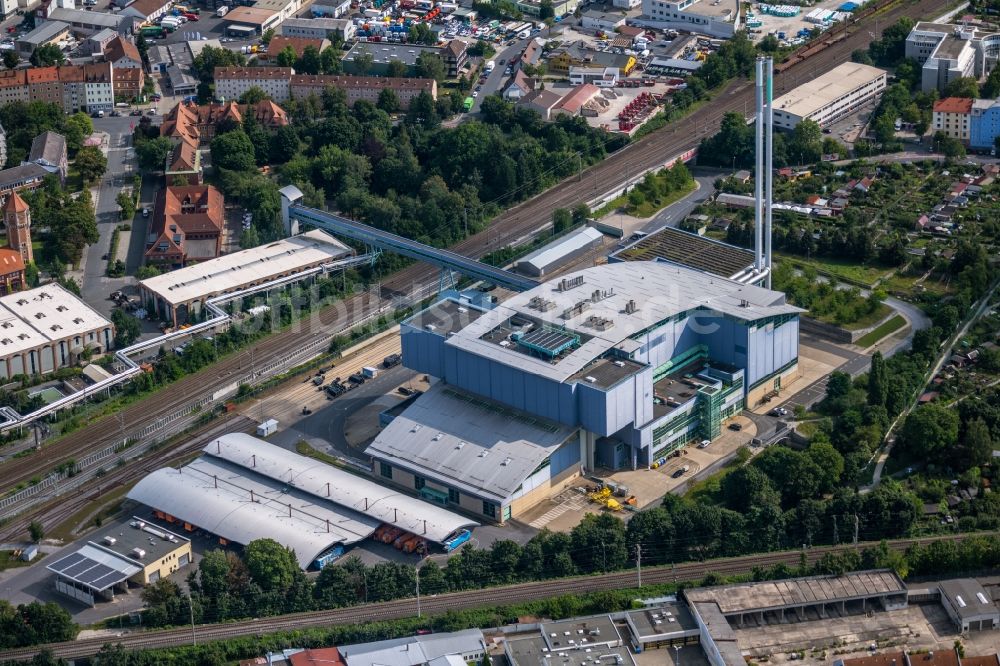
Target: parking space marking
x=575, y=502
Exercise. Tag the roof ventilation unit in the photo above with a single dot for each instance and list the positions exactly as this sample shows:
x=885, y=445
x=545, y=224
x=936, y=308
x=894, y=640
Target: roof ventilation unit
x=631, y=307
x=110, y=540
x=569, y=283
x=590, y=379
x=138, y=553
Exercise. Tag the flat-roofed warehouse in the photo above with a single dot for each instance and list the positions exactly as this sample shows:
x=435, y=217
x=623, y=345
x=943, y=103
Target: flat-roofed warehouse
x=828, y=98
x=137, y=553
x=243, y=488
x=717, y=609
x=179, y=294
x=969, y=605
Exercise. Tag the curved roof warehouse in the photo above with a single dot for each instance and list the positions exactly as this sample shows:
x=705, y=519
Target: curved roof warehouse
x=243, y=488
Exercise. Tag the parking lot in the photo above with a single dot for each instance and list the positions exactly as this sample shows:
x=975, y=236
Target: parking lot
x=791, y=25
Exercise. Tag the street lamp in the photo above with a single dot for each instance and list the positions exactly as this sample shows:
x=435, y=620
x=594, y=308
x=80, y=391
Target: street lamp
x=677, y=655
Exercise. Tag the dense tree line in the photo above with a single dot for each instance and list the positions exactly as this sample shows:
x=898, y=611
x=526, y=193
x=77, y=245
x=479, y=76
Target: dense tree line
x=733, y=145
x=34, y=623
x=23, y=121
x=68, y=223
x=825, y=299
x=414, y=178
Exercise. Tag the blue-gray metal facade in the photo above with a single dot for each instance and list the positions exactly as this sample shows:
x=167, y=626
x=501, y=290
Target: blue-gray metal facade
x=624, y=410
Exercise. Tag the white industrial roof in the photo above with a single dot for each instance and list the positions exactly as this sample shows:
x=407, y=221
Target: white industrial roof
x=815, y=94
x=258, y=264
x=32, y=318
x=660, y=291
x=214, y=493
x=84, y=17
x=414, y=650
x=543, y=257
x=469, y=443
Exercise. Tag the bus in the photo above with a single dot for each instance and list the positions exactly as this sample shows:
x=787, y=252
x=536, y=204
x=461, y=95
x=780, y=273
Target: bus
x=467, y=104
x=152, y=31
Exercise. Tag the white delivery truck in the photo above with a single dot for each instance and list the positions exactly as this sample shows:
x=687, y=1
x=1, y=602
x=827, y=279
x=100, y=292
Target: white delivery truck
x=221, y=11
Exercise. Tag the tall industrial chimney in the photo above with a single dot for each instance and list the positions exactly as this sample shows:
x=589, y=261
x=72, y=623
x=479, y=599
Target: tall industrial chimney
x=769, y=67
x=758, y=201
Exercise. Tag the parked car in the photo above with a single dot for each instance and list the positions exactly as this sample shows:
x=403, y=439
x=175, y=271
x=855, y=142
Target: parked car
x=704, y=443
x=680, y=472
x=735, y=426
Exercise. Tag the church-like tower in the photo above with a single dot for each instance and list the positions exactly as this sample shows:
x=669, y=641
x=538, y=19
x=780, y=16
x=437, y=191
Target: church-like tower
x=17, y=219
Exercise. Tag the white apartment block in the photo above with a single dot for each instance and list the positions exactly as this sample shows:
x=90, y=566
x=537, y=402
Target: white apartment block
x=716, y=18
x=827, y=98
x=99, y=95
x=952, y=116
x=232, y=82
x=945, y=53
x=626, y=4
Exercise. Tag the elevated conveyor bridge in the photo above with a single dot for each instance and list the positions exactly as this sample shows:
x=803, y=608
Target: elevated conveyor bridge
x=445, y=259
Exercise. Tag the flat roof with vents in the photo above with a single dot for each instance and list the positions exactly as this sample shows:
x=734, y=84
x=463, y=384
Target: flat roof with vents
x=469, y=443
x=29, y=319
x=241, y=269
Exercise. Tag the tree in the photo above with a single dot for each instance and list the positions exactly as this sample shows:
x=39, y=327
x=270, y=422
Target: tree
x=152, y=153
x=769, y=44
x=271, y=565
x=878, y=380
x=861, y=56
x=422, y=110
x=929, y=431
x=363, y=61
x=47, y=55
x=234, y=151
x=977, y=442
x=284, y=144
x=562, y=220
x=963, y=86
x=330, y=60
x=830, y=464
x=421, y=33
x=397, y=69
x=310, y=62
x=747, y=486
x=388, y=101
x=546, y=10
x=210, y=57
x=127, y=328
x=806, y=142
x=10, y=59
x=256, y=94
x=286, y=57
x=36, y=531
x=267, y=36
x=430, y=66
x=126, y=203
x=581, y=213
x=91, y=164
x=891, y=48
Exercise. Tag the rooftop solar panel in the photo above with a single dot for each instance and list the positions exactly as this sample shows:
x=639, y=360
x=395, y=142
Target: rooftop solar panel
x=66, y=562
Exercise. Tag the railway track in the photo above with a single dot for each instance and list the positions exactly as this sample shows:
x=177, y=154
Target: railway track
x=516, y=223
x=434, y=605
x=59, y=509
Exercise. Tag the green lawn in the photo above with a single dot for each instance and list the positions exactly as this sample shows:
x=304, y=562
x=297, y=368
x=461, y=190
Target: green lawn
x=651, y=208
x=708, y=491
x=8, y=561
x=885, y=329
x=845, y=271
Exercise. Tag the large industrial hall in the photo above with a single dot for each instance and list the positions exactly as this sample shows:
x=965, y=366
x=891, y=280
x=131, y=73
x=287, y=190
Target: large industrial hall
x=243, y=488
x=615, y=366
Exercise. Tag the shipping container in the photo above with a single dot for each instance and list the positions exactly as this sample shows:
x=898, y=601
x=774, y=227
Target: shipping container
x=268, y=427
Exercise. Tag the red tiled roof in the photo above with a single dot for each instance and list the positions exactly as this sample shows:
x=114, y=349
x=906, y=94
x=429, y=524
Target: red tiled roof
x=253, y=73
x=14, y=204
x=953, y=105
x=298, y=44
x=318, y=656
x=10, y=261
x=119, y=48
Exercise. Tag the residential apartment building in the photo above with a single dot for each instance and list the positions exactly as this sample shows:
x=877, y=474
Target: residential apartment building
x=128, y=83
x=13, y=86
x=99, y=88
x=717, y=18
x=366, y=88
x=945, y=52
x=952, y=117
x=232, y=82
x=87, y=88
x=831, y=96
x=984, y=124
x=122, y=53
x=319, y=28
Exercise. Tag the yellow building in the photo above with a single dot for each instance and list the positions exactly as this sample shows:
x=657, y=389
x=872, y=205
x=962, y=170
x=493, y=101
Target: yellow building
x=135, y=552
x=576, y=55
